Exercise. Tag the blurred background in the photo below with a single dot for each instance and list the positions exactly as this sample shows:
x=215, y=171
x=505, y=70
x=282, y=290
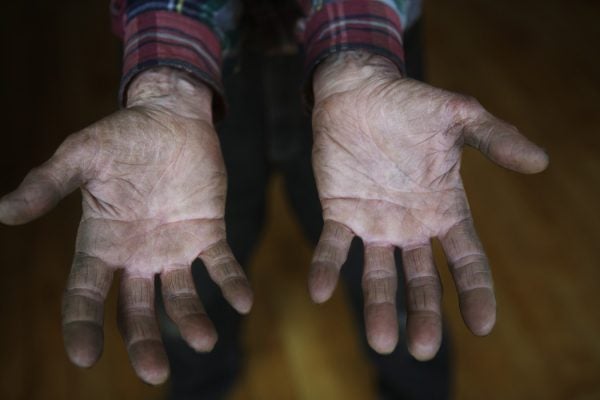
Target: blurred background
x=534, y=63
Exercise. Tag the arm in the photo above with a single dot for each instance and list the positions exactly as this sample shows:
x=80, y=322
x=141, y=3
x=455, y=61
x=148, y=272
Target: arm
x=153, y=184
x=386, y=157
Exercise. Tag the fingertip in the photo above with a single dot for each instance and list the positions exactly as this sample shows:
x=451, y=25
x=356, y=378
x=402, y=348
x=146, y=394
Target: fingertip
x=239, y=294
x=155, y=376
x=199, y=332
x=423, y=351
x=7, y=214
x=478, y=308
x=322, y=281
x=424, y=339
x=203, y=343
x=484, y=326
x=382, y=327
x=319, y=296
x=539, y=162
x=83, y=343
x=149, y=361
x=243, y=306
x=382, y=343
x=521, y=155
x=527, y=158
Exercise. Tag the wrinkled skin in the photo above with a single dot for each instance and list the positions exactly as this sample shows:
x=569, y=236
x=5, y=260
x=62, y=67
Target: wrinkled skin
x=153, y=184
x=386, y=157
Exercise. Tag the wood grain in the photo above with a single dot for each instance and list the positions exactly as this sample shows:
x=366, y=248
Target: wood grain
x=534, y=63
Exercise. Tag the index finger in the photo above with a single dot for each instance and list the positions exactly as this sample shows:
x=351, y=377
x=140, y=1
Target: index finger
x=225, y=271
x=472, y=276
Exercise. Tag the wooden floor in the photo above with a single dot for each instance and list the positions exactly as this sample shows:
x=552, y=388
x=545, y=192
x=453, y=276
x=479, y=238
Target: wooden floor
x=534, y=63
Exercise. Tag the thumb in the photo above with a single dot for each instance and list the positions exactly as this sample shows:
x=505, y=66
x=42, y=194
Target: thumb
x=46, y=185
x=503, y=144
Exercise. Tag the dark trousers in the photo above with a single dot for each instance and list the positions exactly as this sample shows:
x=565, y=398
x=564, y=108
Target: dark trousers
x=267, y=130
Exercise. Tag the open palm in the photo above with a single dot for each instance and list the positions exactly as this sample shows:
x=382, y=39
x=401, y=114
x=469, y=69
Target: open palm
x=386, y=157
x=153, y=184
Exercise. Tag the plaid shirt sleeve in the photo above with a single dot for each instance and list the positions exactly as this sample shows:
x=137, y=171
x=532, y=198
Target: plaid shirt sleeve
x=193, y=35
x=187, y=34
x=373, y=25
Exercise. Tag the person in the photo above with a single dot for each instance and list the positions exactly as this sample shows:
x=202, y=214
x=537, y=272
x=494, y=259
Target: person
x=386, y=155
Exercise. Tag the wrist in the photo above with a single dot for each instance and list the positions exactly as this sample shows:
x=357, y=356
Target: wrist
x=348, y=70
x=172, y=89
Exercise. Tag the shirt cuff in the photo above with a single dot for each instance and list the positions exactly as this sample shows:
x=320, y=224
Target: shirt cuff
x=169, y=39
x=353, y=25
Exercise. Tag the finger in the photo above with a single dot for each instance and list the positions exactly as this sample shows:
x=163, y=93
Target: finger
x=138, y=326
x=472, y=277
x=330, y=255
x=83, y=309
x=225, y=271
x=46, y=185
x=185, y=309
x=379, y=287
x=503, y=144
x=424, y=302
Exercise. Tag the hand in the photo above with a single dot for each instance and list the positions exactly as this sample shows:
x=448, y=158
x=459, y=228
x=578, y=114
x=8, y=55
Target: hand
x=386, y=157
x=153, y=184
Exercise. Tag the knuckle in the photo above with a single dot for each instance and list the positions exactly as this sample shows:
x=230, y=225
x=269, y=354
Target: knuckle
x=464, y=107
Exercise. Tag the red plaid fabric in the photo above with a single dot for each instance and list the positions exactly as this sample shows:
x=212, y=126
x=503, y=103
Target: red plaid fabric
x=192, y=34
x=351, y=25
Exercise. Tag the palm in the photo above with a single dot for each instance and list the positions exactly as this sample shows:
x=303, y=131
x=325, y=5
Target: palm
x=155, y=196
x=383, y=176
x=153, y=184
x=386, y=158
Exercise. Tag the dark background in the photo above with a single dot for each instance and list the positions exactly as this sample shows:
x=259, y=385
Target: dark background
x=534, y=63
